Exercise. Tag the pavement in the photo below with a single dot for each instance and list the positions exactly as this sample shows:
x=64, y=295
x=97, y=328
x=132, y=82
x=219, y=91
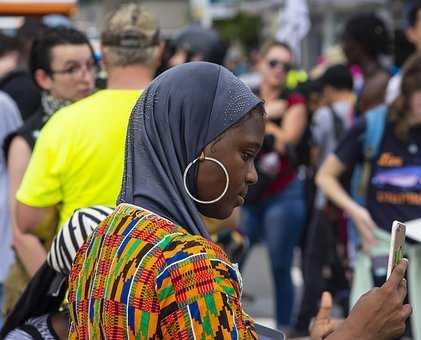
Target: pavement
x=258, y=290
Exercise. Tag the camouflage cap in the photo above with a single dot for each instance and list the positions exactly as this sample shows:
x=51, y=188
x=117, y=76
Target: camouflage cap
x=130, y=26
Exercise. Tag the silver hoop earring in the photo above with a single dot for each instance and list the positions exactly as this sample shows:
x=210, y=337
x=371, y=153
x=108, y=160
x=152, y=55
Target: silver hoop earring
x=185, y=179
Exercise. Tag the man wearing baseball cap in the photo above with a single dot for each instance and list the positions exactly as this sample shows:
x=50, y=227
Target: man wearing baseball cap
x=78, y=158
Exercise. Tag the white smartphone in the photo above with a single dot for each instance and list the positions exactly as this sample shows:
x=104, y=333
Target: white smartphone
x=397, y=246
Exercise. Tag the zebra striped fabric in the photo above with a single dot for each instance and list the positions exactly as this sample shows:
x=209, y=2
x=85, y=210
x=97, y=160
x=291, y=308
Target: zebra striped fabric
x=73, y=234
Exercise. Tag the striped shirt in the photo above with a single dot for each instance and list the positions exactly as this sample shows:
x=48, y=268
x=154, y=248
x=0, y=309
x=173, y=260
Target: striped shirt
x=141, y=276
x=34, y=329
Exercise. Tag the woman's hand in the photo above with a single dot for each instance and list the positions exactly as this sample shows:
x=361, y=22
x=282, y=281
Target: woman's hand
x=294, y=121
x=276, y=108
x=380, y=314
x=365, y=226
x=323, y=324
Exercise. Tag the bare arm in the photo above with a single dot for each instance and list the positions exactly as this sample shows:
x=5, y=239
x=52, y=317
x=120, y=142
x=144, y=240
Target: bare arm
x=276, y=108
x=30, y=218
x=293, y=125
x=28, y=248
x=327, y=179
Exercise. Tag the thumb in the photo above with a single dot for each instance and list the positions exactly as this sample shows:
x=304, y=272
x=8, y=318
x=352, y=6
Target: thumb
x=325, y=306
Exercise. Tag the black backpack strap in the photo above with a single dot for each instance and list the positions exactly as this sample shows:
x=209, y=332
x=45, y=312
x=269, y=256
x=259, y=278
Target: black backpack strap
x=338, y=125
x=32, y=331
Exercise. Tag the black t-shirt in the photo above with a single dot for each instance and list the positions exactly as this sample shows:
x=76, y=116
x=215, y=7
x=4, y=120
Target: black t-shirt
x=394, y=189
x=29, y=131
x=22, y=89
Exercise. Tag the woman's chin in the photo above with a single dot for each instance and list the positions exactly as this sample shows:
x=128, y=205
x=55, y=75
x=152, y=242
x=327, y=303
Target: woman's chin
x=219, y=213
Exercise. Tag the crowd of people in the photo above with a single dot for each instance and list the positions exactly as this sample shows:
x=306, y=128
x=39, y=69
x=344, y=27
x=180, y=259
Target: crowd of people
x=126, y=204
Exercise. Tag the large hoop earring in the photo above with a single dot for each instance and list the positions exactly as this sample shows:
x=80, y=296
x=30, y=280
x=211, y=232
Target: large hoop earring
x=202, y=158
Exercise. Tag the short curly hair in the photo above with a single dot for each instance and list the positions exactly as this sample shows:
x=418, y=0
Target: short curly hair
x=370, y=32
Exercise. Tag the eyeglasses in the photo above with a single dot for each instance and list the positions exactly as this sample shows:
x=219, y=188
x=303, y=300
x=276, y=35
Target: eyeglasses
x=77, y=70
x=274, y=63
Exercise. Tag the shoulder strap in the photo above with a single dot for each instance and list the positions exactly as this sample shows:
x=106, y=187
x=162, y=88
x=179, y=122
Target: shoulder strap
x=31, y=330
x=338, y=125
x=375, y=123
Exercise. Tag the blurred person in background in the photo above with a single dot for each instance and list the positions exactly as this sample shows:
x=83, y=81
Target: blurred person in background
x=196, y=43
x=385, y=149
x=9, y=54
x=62, y=65
x=235, y=60
x=413, y=35
x=328, y=125
x=275, y=207
x=365, y=40
x=78, y=157
x=10, y=120
x=18, y=82
x=166, y=52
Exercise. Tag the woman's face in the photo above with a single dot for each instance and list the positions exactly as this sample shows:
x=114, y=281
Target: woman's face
x=236, y=149
x=352, y=50
x=275, y=66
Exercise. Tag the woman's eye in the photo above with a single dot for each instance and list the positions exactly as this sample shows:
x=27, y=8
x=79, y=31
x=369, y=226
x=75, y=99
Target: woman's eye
x=247, y=156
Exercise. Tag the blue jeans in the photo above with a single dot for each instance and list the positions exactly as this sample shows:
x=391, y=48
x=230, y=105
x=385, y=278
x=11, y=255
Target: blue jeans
x=279, y=221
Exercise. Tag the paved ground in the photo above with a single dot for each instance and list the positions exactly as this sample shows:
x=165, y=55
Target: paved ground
x=258, y=284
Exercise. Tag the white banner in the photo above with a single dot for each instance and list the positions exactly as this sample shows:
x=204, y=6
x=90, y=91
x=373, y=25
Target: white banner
x=294, y=24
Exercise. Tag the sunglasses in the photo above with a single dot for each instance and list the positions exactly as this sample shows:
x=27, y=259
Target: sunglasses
x=275, y=63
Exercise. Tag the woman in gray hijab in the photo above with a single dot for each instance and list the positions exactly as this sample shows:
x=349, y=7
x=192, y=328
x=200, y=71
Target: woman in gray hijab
x=149, y=270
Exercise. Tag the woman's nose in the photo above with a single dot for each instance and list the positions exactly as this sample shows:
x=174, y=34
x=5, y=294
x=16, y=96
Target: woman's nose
x=252, y=176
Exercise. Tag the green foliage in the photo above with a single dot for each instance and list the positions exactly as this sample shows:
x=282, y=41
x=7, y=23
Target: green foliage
x=243, y=28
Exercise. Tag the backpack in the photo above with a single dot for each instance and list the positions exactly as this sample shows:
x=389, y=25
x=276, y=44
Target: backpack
x=339, y=128
x=375, y=123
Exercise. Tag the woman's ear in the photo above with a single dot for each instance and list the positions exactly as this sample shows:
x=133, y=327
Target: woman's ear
x=43, y=79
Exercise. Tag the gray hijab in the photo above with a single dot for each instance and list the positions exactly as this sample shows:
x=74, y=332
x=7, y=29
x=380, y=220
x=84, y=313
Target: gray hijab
x=181, y=112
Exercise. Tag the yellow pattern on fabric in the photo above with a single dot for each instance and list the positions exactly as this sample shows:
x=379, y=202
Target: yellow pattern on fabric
x=142, y=277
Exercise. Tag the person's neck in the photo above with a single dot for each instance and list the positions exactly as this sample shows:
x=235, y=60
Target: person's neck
x=369, y=66
x=132, y=77
x=341, y=96
x=268, y=92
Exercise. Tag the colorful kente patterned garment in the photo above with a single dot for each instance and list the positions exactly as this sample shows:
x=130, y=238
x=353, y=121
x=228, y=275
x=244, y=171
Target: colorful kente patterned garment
x=141, y=276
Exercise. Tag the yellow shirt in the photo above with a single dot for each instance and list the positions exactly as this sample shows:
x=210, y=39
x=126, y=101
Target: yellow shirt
x=78, y=158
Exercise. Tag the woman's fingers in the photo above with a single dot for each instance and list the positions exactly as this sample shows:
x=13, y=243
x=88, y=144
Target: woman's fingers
x=398, y=274
x=402, y=289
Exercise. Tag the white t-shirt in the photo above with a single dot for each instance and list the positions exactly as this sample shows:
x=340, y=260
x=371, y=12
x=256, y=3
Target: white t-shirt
x=393, y=89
